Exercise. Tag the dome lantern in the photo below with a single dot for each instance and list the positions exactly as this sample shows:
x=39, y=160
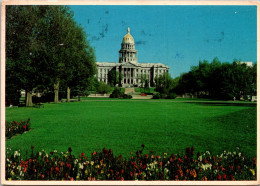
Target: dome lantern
x=128, y=53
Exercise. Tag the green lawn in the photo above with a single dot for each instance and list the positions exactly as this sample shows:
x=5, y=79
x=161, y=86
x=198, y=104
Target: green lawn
x=124, y=125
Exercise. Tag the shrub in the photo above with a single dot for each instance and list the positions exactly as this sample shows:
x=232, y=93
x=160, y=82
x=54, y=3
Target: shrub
x=14, y=127
x=163, y=96
x=103, y=88
x=116, y=93
x=157, y=96
x=171, y=95
x=126, y=96
x=105, y=166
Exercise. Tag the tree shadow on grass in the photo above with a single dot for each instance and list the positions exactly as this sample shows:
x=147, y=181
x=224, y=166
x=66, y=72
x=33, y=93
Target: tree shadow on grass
x=224, y=104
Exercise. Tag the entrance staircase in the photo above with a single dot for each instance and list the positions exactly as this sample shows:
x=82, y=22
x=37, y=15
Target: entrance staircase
x=129, y=90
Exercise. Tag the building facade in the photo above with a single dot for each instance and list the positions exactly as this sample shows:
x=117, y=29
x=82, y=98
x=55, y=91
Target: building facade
x=132, y=72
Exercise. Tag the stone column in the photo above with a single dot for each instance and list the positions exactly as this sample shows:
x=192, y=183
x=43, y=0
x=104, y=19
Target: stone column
x=131, y=70
x=134, y=76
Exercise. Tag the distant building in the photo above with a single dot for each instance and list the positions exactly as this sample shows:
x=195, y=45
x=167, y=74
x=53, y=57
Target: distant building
x=129, y=67
x=248, y=63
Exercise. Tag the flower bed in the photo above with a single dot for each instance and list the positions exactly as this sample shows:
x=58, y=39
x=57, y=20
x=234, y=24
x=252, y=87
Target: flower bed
x=14, y=127
x=105, y=166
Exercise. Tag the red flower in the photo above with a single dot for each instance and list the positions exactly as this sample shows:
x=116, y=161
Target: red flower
x=122, y=179
x=224, y=176
x=219, y=177
x=57, y=169
x=82, y=154
x=71, y=179
x=105, y=151
x=143, y=145
x=68, y=165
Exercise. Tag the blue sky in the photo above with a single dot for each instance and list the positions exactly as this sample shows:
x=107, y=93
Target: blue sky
x=178, y=36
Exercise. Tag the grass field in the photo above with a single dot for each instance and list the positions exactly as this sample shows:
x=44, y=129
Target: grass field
x=124, y=125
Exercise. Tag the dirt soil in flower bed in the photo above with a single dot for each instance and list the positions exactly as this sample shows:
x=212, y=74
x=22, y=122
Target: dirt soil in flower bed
x=105, y=166
x=19, y=134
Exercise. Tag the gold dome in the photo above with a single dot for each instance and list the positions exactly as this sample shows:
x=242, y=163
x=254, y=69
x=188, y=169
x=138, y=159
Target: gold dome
x=128, y=38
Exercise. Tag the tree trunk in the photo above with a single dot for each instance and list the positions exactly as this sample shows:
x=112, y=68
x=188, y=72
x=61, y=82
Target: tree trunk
x=29, y=102
x=56, y=92
x=68, y=94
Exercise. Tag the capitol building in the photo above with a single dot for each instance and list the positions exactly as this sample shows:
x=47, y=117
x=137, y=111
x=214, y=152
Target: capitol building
x=128, y=66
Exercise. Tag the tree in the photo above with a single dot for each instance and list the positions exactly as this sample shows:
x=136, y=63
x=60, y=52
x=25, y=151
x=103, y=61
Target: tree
x=80, y=63
x=58, y=41
x=164, y=83
x=114, y=77
x=143, y=79
x=219, y=80
x=103, y=88
x=45, y=43
x=23, y=50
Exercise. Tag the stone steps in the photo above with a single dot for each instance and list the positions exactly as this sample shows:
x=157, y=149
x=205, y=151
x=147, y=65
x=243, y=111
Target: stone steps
x=129, y=90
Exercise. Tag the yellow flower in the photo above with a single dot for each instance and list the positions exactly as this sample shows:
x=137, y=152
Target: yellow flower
x=77, y=177
x=194, y=172
x=86, y=171
x=102, y=171
x=12, y=172
x=9, y=179
x=253, y=171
